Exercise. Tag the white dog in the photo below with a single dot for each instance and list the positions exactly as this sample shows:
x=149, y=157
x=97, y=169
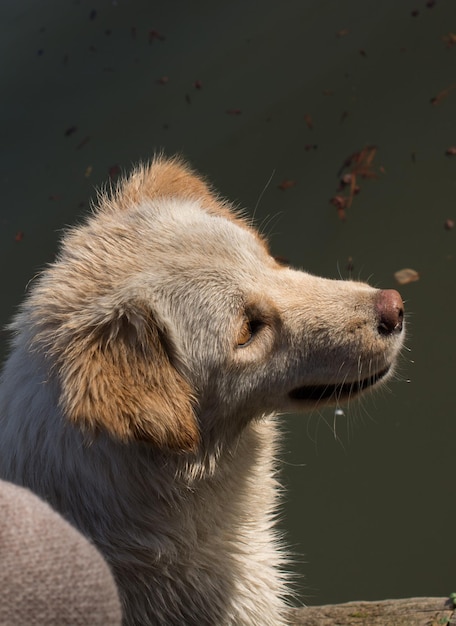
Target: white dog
x=139, y=398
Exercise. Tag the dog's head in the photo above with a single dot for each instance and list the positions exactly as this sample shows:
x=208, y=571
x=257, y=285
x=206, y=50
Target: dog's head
x=166, y=319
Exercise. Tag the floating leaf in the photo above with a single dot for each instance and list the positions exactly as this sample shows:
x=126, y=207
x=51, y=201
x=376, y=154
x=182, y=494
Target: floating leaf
x=287, y=184
x=406, y=275
x=309, y=121
x=442, y=94
x=70, y=130
x=450, y=40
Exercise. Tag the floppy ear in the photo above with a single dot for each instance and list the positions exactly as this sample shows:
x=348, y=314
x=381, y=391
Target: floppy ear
x=118, y=378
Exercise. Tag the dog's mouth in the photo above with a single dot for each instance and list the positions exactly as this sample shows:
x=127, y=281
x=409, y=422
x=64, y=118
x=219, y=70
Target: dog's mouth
x=336, y=391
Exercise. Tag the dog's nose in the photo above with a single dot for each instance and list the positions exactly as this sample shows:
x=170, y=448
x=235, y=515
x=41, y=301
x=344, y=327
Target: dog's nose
x=390, y=311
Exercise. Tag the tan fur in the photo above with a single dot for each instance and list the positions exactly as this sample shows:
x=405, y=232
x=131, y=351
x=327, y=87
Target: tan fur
x=168, y=178
x=120, y=380
x=140, y=397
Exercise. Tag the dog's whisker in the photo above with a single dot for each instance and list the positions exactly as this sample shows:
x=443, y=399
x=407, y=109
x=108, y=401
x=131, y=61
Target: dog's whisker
x=260, y=197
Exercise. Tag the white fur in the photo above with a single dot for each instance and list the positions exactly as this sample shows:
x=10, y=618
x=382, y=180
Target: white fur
x=128, y=404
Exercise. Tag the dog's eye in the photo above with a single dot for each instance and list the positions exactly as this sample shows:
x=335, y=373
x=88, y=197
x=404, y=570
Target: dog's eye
x=247, y=331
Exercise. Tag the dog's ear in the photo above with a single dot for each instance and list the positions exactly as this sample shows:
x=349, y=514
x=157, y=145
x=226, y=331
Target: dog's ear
x=118, y=377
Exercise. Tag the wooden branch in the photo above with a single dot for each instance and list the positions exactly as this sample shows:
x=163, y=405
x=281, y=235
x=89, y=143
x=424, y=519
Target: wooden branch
x=407, y=612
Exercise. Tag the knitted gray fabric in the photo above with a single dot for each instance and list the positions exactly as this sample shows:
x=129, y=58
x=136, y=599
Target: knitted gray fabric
x=49, y=573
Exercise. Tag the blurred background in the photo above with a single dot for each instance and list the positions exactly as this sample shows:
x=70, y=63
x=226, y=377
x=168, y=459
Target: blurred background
x=334, y=122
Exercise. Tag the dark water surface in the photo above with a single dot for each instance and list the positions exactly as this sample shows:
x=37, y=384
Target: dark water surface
x=287, y=92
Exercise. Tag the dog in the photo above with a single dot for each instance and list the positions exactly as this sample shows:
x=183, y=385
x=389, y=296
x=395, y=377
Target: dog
x=140, y=399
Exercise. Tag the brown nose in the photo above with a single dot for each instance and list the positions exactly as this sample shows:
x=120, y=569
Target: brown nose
x=390, y=311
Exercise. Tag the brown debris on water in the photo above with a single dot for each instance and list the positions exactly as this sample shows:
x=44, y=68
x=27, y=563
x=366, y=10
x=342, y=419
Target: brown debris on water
x=406, y=275
x=359, y=165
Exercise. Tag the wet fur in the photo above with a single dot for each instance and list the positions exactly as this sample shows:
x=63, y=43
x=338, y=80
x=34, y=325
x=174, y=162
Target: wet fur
x=129, y=405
